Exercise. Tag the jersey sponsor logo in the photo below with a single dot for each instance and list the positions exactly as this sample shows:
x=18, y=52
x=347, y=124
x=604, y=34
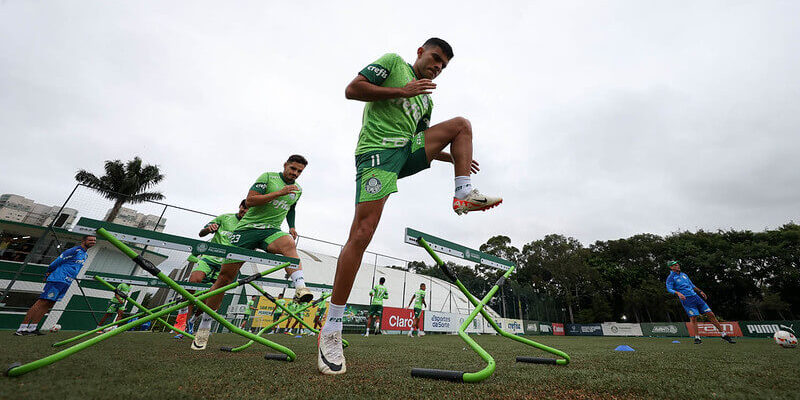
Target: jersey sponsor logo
x=394, y=142
x=282, y=204
x=373, y=185
x=262, y=186
x=378, y=71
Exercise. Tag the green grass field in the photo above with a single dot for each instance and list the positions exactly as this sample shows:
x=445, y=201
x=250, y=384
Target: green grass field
x=149, y=365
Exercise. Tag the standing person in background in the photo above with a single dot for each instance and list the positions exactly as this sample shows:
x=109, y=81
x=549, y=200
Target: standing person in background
x=377, y=295
x=419, y=302
x=116, y=305
x=62, y=271
x=678, y=283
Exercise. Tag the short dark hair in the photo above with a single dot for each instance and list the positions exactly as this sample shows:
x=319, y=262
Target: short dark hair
x=434, y=41
x=421, y=285
x=243, y=203
x=298, y=159
x=382, y=280
x=83, y=239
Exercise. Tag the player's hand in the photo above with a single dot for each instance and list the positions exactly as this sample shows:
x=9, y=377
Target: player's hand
x=418, y=87
x=213, y=228
x=293, y=232
x=289, y=189
x=474, y=167
x=681, y=296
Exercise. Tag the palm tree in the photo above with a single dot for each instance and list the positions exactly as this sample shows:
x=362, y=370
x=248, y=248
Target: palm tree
x=124, y=183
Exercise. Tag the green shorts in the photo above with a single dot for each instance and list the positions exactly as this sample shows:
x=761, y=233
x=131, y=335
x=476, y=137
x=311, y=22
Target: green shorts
x=113, y=307
x=417, y=312
x=208, y=267
x=255, y=238
x=377, y=171
x=375, y=309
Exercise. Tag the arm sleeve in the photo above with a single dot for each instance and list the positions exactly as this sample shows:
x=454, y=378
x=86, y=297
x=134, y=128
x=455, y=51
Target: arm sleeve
x=670, y=286
x=214, y=221
x=290, y=216
x=378, y=71
x=60, y=260
x=261, y=184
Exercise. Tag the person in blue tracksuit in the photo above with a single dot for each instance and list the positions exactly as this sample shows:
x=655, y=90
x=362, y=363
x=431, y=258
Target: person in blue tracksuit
x=62, y=271
x=692, y=299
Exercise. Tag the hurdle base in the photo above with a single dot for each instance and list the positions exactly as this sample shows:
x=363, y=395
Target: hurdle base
x=279, y=357
x=226, y=348
x=441, y=374
x=12, y=366
x=537, y=360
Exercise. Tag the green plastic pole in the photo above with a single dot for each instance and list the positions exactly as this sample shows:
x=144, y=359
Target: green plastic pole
x=100, y=328
x=149, y=267
x=272, y=325
x=141, y=307
x=17, y=369
x=479, y=308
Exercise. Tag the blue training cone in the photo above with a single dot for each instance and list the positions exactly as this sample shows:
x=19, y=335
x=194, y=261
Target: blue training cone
x=624, y=347
x=675, y=341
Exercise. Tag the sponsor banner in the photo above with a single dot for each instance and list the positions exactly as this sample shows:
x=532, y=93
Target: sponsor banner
x=476, y=326
x=545, y=328
x=512, y=325
x=530, y=327
x=584, y=329
x=621, y=329
x=708, y=329
x=664, y=329
x=767, y=328
x=400, y=319
x=262, y=316
x=436, y=321
x=558, y=329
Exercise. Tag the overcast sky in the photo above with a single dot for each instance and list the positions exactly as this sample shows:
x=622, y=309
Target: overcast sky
x=597, y=120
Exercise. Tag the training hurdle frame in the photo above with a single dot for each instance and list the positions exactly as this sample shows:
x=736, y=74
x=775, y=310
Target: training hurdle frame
x=433, y=244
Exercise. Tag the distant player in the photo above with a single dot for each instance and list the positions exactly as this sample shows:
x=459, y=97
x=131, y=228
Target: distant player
x=250, y=310
x=680, y=284
x=294, y=324
x=116, y=306
x=321, y=308
x=277, y=312
x=395, y=141
x=62, y=271
x=271, y=200
x=419, y=302
x=377, y=295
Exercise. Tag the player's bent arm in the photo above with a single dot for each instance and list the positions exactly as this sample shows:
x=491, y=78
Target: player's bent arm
x=257, y=199
x=363, y=90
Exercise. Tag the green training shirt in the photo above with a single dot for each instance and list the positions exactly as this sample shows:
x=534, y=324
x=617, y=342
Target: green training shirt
x=272, y=214
x=124, y=288
x=393, y=122
x=379, y=293
x=249, y=304
x=419, y=295
x=277, y=310
x=227, y=224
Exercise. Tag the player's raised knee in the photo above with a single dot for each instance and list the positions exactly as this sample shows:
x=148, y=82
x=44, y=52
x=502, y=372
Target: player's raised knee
x=463, y=125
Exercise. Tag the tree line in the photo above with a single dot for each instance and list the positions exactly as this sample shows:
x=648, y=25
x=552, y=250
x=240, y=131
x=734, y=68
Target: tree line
x=746, y=275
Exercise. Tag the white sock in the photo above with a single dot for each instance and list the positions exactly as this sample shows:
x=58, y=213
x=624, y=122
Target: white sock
x=22, y=327
x=205, y=322
x=32, y=327
x=334, y=322
x=297, y=279
x=723, y=334
x=697, y=337
x=463, y=186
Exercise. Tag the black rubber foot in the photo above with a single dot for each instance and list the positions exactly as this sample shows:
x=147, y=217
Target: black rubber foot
x=225, y=348
x=12, y=366
x=279, y=357
x=442, y=374
x=537, y=360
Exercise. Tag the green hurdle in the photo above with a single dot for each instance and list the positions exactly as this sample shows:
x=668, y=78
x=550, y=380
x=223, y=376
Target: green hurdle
x=284, y=318
x=433, y=244
x=18, y=369
x=139, y=306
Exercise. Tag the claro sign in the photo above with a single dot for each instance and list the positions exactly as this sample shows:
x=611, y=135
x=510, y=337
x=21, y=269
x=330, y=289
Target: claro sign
x=399, y=319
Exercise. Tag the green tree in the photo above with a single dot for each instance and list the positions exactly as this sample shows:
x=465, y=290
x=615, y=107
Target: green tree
x=124, y=183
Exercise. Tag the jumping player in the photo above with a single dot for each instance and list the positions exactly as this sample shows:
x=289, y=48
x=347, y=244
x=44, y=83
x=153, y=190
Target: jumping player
x=116, y=305
x=271, y=200
x=418, y=298
x=62, y=271
x=395, y=141
x=378, y=294
x=680, y=284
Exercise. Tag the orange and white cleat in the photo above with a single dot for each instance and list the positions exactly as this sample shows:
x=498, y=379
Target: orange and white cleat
x=475, y=201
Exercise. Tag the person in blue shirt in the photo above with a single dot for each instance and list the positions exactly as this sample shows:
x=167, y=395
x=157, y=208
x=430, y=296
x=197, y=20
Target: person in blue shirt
x=692, y=299
x=63, y=270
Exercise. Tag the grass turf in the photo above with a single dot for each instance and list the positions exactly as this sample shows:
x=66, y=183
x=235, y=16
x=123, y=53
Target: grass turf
x=149, y=365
